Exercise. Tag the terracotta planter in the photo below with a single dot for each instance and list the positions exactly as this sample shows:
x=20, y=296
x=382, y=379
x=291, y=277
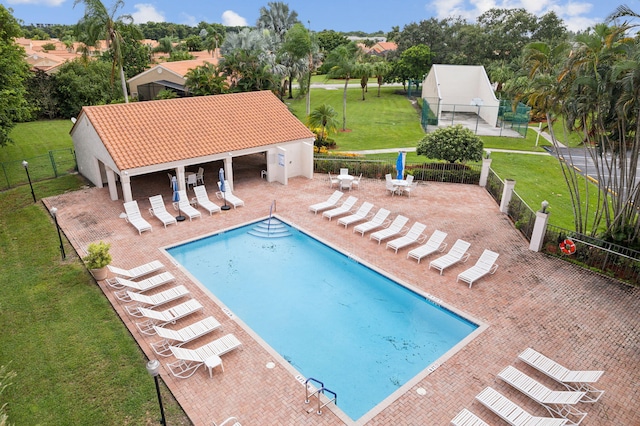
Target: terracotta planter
x=100, y=274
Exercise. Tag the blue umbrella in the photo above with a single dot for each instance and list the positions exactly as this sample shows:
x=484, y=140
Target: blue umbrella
x=400, y=165
x=176, y=197
x=223, y=189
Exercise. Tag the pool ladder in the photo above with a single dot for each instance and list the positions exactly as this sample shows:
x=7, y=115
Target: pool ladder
x=315, y=391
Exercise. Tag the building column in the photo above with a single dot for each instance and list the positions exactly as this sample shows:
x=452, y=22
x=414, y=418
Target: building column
x=182, y=183
x=125, y=181
x=507, y=192
x=228, y=170
x=111, y=182
x=484, y=173
x=539, y=228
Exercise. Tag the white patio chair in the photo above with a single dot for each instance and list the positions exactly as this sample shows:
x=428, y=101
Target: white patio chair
x=396, y=227
x=192, y=180
x=576, y=380
x=333, y=181
x=200, y=176
x=433, y=244
x=485, y=265
x=511, y=412
x=203, y=200
x=356, y=182
x=186, y=208
x=134, y=217
x=457, y=253
x=159, y=210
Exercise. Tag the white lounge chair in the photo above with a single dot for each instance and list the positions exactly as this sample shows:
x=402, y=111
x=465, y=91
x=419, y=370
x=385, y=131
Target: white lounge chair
x=331, y=202
x=189, y=360
x=167, y=316
x=379, y=220
x=231, y=421
x=203, y=200
x=180, y=337
x=485, y=265
x=457, y=253
x=138, y=271
x=343, y=209
x=434, y=243
x=228, y=196
x=159, y=210
x=361, y=214
x=396, y=227
x=155, y=300
x=467, y=418
x=557, y=403
x=413, y=236
x=134, y=217
x=139, y=286
x=186, y=208
x=511, y=412
x=574, y=380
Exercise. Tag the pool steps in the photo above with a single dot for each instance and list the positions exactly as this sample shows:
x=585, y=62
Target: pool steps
x=270, y=228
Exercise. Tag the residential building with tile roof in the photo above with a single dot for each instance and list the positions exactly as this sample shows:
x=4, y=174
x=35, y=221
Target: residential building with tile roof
x=166, y=75
x=126, y=140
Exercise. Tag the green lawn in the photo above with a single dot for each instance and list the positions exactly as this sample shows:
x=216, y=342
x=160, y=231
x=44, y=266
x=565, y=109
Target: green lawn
x=387, y=121
x=76, y=363
x=37, y=138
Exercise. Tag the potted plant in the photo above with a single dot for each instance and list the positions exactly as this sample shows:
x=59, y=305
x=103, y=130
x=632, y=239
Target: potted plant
x=97, y=259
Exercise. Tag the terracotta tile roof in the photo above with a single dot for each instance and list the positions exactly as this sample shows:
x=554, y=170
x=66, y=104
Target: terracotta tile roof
x=143, y=134
x=182, y=67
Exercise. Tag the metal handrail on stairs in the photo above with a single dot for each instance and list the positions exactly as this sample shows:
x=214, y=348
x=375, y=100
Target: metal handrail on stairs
x=317, y=391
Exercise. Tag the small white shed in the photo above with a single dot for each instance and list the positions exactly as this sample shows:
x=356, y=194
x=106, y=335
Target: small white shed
x=462, y=89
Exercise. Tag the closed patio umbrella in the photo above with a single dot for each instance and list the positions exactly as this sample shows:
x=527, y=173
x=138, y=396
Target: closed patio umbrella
x=176, y=198
x=400, y=164
x=223, y=189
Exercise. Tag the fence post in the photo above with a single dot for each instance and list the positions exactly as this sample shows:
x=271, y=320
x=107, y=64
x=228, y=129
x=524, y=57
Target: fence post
x=53, y=163
x=507, y=192
x=539, y=228
x=484, y=173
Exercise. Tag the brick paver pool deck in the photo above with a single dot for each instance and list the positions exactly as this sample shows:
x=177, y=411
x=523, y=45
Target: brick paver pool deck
x=579, y=318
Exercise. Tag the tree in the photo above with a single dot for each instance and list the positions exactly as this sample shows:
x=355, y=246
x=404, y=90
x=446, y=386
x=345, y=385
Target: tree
x=363, y=70
x=417, y=60
x=206, y=79
x=41, y=95
x=323, y=117
x=452, y=144
x=79, y=83
x=98, y=23
x=328, y=40
x=298, y=47
x=381, y=68
x=342, y=62
x=14, y=71
x=277, y=19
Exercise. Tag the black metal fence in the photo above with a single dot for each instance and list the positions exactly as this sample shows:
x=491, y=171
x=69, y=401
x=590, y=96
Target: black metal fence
x=523, y=216
x=56, y=163
x=495, y=186
x=377, y=169
x=610, y=259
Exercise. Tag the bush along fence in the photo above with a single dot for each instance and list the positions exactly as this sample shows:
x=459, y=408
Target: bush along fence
x=58, y=162
x=588, y=252
x=377, y=169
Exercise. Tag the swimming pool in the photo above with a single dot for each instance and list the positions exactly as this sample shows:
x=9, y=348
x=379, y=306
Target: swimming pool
x=330, y=317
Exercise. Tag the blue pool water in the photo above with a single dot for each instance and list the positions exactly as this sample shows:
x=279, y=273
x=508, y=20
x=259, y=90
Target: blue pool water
x=330, y=317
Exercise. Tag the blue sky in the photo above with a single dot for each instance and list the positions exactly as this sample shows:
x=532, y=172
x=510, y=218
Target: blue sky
x=344, y=15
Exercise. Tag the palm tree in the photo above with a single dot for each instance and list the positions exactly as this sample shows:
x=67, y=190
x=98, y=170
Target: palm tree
x=277, y=19
x=206, y=79
x=98, y=22
x=380, y=70
x=343, y=60
x=323, y=117
x=363, y=70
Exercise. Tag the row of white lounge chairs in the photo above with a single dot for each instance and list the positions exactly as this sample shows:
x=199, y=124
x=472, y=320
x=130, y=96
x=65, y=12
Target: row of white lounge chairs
x=559, y=404
x=156, y=322
x=385, y=229
x=159, y=211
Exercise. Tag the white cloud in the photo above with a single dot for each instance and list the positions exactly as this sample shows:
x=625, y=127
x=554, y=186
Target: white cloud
x=577, y=8
x=146, y=12
x=187, y=19
x=37, y=2
x=232, y=19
